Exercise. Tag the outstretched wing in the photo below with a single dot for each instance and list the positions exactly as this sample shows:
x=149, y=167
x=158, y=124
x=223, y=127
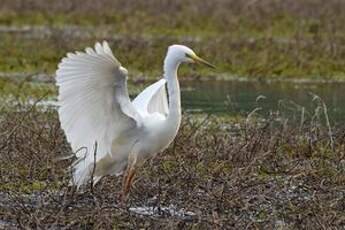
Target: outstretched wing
x=94, y=105
x=153, y=99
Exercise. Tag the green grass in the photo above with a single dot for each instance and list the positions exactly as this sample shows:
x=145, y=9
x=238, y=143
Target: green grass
x=269, y=39
x=22, y=90
x=261, y=59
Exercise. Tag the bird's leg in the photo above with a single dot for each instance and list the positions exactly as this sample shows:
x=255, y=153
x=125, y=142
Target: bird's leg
x=128, y=180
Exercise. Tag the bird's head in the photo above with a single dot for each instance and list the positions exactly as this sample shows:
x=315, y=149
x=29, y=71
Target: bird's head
x=181, y=53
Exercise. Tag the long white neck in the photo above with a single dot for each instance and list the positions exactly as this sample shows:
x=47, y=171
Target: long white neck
x=170, y=74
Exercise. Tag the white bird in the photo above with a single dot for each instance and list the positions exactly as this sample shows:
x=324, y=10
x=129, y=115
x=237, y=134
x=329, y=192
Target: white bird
x=95, y=110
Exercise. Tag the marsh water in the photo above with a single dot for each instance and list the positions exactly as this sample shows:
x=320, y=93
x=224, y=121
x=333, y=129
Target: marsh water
x=232, y=98
x=242, y=97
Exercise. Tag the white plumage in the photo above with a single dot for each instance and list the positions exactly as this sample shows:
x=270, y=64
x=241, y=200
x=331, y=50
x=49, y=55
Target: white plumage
x=95, y=107
x=152, y=99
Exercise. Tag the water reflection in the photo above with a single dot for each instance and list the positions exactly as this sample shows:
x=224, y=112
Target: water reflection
x=234, y=97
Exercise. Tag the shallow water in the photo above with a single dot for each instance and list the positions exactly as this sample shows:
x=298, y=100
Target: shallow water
x=229, y=98
x=236, y=97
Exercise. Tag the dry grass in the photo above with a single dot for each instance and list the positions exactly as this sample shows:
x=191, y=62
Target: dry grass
x=251, y=174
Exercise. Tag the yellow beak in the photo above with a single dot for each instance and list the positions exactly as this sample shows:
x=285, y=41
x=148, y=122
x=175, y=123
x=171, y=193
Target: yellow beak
x=199, y=60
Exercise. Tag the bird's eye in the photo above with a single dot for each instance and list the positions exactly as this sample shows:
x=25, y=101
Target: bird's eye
x=188, y=55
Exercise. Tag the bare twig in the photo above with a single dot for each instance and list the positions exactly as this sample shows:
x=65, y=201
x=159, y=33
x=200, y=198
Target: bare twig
x=94, y=166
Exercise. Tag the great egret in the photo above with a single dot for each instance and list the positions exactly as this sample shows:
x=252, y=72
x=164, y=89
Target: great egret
x=95, y=110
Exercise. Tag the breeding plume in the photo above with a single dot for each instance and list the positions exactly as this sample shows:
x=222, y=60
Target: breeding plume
x=107, y=131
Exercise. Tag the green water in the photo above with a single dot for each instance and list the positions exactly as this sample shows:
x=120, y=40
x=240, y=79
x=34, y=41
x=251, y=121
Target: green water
x=240, y=98
x=231, y=98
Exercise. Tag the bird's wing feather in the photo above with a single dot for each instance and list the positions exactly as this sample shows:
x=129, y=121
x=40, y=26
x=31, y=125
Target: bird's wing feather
x=94, y=104
x=153, y=99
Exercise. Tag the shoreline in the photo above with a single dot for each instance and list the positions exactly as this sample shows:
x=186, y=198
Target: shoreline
x=224, y=77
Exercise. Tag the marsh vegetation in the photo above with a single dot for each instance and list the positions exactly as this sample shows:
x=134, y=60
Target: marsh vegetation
x=245, y=173
x=262, y=39
x=282, y=167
